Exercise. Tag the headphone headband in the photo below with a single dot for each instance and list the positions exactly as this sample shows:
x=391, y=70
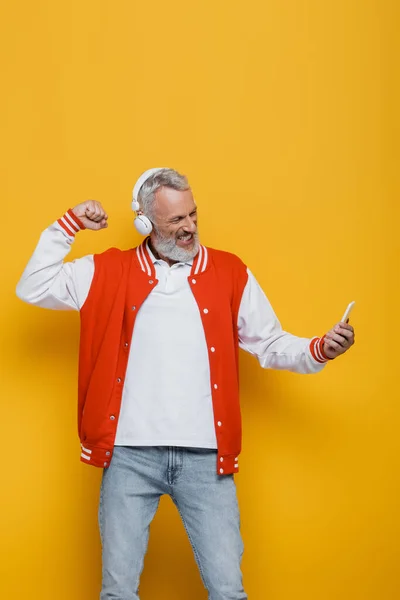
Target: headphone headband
x=144, y=177
x=141, y=222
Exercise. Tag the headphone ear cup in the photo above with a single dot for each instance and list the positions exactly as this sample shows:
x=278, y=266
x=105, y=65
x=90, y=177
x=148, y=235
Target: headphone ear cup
x=143, y=225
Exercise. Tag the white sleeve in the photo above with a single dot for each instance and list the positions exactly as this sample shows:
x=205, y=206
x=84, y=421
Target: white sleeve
x=261, y=334
x=49, y=282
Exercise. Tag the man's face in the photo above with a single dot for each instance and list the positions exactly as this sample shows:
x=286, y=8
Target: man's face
x=175, y=224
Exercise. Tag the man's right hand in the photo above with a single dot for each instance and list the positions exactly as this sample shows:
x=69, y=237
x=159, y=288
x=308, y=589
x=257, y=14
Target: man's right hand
x=92, y=215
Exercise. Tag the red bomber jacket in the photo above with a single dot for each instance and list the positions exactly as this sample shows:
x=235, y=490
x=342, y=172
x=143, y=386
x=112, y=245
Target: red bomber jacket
x=122, y=281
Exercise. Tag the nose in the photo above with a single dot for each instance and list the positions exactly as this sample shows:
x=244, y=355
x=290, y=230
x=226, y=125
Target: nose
x=190, y=225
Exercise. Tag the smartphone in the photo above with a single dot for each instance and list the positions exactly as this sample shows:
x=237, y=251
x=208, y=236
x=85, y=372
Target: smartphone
x=347, y=312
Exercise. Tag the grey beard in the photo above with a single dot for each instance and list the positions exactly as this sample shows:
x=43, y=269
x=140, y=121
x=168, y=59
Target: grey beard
x=167, y=247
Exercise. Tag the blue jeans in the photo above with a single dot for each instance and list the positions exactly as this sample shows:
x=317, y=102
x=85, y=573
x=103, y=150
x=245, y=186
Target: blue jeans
x=130, y=492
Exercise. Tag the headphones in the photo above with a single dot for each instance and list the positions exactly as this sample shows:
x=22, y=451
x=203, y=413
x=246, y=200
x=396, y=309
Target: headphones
x=142, y=223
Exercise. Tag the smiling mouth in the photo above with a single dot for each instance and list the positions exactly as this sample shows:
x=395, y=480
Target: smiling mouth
x=187, y=238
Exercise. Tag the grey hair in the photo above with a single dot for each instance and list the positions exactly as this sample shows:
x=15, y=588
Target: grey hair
x=164, y=178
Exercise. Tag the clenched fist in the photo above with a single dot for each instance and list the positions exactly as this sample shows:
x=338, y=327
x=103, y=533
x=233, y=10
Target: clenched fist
x=92, y=215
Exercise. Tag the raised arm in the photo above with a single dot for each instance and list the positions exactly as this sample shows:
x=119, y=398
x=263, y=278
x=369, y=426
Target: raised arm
x=47, y=280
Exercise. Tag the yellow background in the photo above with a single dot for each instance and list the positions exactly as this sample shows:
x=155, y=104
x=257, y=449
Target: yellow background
x=283, y=114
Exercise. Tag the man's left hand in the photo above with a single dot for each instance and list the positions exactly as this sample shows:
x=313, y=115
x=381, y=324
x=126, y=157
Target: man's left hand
x=338, y=340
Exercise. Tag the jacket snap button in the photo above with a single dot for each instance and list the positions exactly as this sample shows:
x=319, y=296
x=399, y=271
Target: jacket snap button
x=151, y=281
x=133, y=307
x=119, y=380
x=205, y=310
x=215, y=386
x=219, y=423
x=221, y=470
x=108, y=453
x=212, y=349
x=193, y=281
x=112, y=418
x=105, y=464
x=221, y=459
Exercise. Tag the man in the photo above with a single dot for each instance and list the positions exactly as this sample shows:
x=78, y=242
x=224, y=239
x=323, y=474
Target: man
x=161, y=325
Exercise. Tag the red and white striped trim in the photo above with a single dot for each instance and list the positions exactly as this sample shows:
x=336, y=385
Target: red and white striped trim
x=87, y=451
x=201, y=261
x=146, y=264
x=70, y=223
x=317, y=350
x=143, y=256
